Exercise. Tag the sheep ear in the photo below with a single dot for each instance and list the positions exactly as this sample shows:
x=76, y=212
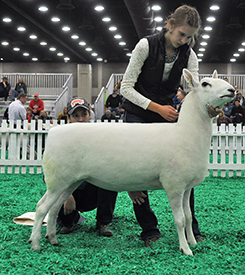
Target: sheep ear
x=215, y=74
x=189, y=77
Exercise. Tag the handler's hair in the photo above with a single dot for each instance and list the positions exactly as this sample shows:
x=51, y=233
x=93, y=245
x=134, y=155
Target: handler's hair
x=22, y=95
x=186, y=14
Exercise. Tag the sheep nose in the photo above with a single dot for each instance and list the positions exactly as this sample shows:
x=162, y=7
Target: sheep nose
x=232, y=91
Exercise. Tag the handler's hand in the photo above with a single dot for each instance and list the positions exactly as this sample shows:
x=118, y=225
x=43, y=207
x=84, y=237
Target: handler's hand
x=69, y=205
x=137, y=197
x=168, y=112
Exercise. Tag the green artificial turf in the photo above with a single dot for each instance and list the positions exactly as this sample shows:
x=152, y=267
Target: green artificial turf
x=220, y=210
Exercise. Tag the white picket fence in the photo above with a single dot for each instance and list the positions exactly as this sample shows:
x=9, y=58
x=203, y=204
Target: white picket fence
x=22, y=148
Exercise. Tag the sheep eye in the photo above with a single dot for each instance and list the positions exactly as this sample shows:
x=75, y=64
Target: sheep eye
x=204, y=84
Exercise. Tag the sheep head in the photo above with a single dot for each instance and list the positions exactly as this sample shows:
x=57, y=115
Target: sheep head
x=211, y=92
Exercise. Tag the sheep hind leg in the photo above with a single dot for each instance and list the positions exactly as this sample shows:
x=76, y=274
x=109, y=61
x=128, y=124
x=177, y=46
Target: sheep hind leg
x=188, y=217
x=176, y=204
x=42, y=209
x=53, y=213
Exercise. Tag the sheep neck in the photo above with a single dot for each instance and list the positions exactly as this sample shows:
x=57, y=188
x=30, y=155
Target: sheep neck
x=193, y=113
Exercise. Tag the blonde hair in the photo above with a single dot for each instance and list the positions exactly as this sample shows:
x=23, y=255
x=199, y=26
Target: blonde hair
x=223, y=115
x=186, y=14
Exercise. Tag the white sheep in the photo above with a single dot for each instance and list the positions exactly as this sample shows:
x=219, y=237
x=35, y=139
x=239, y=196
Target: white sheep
x=147, y=158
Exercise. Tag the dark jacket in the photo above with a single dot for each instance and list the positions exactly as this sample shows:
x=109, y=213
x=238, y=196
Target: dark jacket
x=150, y=83
x=4, y=91
x=22, y=85
x=113, y=102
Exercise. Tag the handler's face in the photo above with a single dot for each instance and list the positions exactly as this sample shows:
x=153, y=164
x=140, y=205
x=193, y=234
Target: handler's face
x=80, y=115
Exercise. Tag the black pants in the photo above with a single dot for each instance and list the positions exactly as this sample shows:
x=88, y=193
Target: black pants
x=88, y=199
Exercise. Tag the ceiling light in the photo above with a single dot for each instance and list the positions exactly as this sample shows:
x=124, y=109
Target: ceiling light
x=241, y=50
x=60, y=54
x=16, y=49
x=214, y=8
x=33, y=36
x=202, y=50
x=211, y=19
x=208, y=29
x=199, y=60
x=7, y=19
x=117, y=36
x=66, y=58
x=88, y=49
x=5, y=43
x=74, y=36
x=122, y=43
x=94, y=54
x=43, y=8
x=243, y=43
x=66, y=29
x=26, y=54
x=55, y=19
x=205, y=36
x=200, y=54
x=21, y=29
x=204, y=43
x=106, y=19
x=99, y=8
x=112, y=28
x=99, y=59
x=34, y=59
x=128, y=54
x=236, y=54
x=82, y=43
x=52, y=49
x=158, y=19
x=156, y=8
x=232, y=60
x=43, y=43
x=159, y=28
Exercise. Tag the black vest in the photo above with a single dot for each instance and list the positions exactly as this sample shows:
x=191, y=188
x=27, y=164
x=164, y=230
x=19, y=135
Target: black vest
x=149, y=82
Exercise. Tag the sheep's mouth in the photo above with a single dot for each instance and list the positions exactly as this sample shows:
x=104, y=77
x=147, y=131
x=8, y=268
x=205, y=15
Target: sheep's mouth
x=232, y=94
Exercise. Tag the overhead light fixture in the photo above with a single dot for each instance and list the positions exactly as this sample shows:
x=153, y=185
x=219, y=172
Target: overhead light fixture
x=16, y=49
x=21, y=29
x=99, y=59
x=203, y=43
x=158, y=19
x=34, y=59
x=200, y=54
x=159, y=28
x=236, y=54
x=43, y=43
x=43, y=8
x=106, y=19
x=211, y=19
x=208, y=29
x=232, y=60
x=82, y=43
x=94, y=54
x=122, y=43
x=205, y=36
x=241, y=50
x=117, y=36
x=7, y=19
x=52, y=49
x=55, y=19
x=74, y=36
x=33, y=36
x=60, y=54
x=5, y=43
x=99, y=8
x=214, y=8
x=112, y=28
x=26, y=54
x=65, y=5
x=66, y=29
x=156, y=8
x=88, y=49
x=202, y=50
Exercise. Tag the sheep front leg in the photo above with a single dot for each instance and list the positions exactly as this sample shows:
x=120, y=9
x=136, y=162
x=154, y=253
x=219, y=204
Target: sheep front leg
x=188, y=217
x=176, y=204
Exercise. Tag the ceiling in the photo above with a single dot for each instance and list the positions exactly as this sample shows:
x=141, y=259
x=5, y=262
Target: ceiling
x=133, y=19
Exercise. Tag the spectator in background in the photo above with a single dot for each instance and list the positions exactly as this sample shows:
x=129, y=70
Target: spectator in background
x=63, y=116
x=20, y=87
x=113, y=102
x=92, y=114
x=241, y=98
x=227, y=108
x=222, y=118
x=6, y=115
x=181, y=94
x=4, y=88
x=36, y=105
x=237, y=113
x=17, y=110
x=108, y=116
x=29, y=114
x=43, y=116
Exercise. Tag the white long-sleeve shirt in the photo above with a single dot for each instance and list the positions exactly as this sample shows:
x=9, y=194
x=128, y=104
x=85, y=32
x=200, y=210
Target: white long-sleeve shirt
x=139, y=55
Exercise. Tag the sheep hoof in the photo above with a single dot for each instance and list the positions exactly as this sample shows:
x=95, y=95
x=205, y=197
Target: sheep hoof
x=34, y=246
x=52, y=240
x=186, y=251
